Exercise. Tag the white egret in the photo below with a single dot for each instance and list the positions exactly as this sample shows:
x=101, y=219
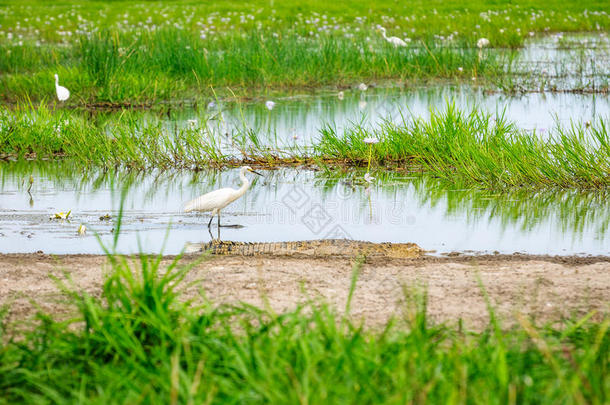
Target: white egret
x=218, y=199
x=269, y=104
x=393, y=40
x=62, y=93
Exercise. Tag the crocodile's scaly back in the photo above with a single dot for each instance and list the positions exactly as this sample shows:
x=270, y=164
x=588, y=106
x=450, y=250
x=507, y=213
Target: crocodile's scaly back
x=312, y=248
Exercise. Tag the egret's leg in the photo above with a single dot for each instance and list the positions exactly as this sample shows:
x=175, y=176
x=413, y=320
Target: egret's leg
x=219, y=219
x=210, y=223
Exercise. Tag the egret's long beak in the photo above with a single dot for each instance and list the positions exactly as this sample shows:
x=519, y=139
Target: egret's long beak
x=256, y=172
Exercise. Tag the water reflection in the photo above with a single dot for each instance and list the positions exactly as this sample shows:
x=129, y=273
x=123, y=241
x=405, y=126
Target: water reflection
x=296, y=121
x=292, y=204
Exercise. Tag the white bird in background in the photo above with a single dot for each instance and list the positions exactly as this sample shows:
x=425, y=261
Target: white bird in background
x=393, y=40
x=218, y=199
x=62, y=93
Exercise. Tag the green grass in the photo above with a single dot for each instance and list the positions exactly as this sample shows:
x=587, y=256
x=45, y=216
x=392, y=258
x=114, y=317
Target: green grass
x=504, y=23
x=171, y=64
x=139, y=341
x=461, y=148
x=132, y=53
x=473, y=148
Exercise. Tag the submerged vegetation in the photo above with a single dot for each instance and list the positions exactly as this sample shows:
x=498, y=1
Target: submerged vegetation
x=140, y=342
x=467, y=148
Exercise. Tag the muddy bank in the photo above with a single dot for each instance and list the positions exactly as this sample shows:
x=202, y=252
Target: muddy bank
x=546, y=288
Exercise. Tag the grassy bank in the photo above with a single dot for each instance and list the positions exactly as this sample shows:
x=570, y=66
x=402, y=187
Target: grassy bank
x=172, y=64
x=464, y=148
x=139, y=342
x=132, y=53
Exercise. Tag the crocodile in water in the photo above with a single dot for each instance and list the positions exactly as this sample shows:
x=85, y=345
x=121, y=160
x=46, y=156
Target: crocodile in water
x=312, y=248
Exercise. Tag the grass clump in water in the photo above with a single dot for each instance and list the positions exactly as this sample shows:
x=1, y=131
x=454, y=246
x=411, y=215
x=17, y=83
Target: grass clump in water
x=465, y=148
x=475, y=149
x=139, y=341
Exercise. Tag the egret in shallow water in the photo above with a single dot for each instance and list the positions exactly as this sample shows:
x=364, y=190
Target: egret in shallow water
x=218, y=199
x=62, y=93
x=393, y=40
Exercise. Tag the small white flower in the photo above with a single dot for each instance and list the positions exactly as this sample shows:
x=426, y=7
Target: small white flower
x=192, y=123
x=340, y=95
x=362, y=87
x=460, y=69
x=482, y=42
x=269, y=104
x=371, y=140
x=368, y=178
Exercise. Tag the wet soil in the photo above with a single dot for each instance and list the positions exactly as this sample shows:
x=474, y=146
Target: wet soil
x=546, y=288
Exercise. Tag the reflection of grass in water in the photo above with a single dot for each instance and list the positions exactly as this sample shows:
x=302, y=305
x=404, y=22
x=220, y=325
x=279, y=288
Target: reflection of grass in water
x=139, y=341
x=572, y=211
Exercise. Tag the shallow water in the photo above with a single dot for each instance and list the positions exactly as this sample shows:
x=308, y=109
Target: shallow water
x=564, y=62
x=296, y=121
x=288, y=205
x=296, y=205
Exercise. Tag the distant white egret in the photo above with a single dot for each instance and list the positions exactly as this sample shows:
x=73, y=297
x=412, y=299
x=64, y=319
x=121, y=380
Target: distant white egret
x=218, y=199
x=393, y=40
x=362, y=87
x=62, y=93
x=269, y=104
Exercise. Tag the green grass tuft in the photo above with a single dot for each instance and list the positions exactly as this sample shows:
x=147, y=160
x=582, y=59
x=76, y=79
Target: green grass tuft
x=140, y=342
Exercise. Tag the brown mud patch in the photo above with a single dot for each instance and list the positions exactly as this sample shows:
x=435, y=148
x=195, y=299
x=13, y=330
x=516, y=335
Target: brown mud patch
x=545, y=288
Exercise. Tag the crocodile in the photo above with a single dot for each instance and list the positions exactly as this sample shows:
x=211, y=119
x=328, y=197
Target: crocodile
x=309, y=248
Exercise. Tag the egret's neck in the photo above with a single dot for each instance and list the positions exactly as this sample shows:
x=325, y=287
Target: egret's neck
x=56, y=80
x=383, y=33
x=245, y=184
